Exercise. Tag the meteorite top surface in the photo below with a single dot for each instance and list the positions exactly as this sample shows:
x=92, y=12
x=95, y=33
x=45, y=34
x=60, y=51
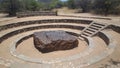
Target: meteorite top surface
x=49, y=36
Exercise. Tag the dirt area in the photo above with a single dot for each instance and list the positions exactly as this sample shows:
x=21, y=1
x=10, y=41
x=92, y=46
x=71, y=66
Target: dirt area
x=115, y=56
x=35, y=54
x=24, y=49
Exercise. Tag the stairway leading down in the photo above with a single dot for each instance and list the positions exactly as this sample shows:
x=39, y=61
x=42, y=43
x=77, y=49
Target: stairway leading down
x=93, y=29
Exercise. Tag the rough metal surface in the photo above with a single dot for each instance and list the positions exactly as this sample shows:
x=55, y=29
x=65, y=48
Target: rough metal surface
x=48, y=41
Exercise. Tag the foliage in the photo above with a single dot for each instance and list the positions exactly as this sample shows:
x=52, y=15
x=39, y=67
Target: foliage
x=98, y=6
x=56, y=4
x=13, y=6
x=105, y=6
x=71, y=4
x=85, y=5
x=30, y=5
x=10, y=6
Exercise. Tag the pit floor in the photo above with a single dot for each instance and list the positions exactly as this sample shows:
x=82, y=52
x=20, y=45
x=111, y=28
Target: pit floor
x=115, y=55
x=28, y=45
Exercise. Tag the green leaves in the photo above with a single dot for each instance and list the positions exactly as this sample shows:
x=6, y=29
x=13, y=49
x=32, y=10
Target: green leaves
x=105, y=6
x=71, y=4
x=10, y=6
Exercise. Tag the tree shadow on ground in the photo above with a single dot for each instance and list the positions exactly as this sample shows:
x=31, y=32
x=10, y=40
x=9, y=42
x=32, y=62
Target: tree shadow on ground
x=111, y=62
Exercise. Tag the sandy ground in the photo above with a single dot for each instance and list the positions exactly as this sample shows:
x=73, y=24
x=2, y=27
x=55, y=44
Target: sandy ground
x=6, y=44
x=115, y=55
x=24, y=49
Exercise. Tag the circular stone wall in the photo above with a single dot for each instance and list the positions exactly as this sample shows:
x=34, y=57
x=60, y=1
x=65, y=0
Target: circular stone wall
x=88, y=53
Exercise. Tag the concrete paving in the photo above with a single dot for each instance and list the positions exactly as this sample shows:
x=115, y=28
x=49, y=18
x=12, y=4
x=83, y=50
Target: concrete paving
x=99, y=51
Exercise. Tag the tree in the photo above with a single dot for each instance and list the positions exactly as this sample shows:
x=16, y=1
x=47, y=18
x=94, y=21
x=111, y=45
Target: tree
x=71, y=4
x=105, y=6
x=10, y=6
x=56, y=4
x=85, y=5
x=34, y=5
x=30, y=5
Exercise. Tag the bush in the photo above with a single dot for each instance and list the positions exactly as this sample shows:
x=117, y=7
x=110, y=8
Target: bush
x=106, y=6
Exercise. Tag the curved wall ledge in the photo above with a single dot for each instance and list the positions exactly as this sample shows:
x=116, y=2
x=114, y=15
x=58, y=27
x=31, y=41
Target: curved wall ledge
x=48, y=60
x=18, y=24
x=104, y=37
x=6, y=36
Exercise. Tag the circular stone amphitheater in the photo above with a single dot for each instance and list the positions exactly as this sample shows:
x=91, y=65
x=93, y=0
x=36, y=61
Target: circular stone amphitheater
x=98, y=42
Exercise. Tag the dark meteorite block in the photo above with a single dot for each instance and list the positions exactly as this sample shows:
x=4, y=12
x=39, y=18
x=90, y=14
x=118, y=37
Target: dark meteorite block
x=48, y=41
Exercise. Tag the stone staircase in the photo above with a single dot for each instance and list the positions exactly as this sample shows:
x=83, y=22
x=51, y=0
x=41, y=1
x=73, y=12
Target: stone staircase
x=92, y=29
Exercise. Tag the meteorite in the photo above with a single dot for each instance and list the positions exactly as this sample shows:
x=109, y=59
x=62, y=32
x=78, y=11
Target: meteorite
x=49, y=41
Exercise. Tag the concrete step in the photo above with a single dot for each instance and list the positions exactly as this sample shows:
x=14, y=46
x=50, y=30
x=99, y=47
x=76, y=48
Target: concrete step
x=84, y=35
x=99, y=24
x=89, y=32
x=94, y=28
x=21, y=27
